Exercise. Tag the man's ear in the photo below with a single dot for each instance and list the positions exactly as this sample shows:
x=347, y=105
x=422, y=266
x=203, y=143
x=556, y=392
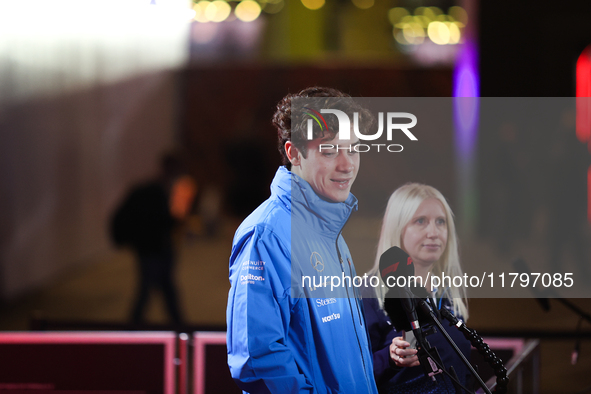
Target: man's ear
x=293, y=153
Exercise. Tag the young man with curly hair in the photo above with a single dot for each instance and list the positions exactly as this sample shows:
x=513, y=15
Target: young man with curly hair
x=286, y=335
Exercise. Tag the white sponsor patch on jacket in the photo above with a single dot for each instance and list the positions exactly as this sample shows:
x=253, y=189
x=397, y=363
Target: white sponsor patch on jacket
x=250, y=278
x=325, y=301
x=332, y=317
x=253, y=265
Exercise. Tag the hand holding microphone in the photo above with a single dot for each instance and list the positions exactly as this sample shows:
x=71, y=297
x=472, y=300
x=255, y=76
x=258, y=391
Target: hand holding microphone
x=395, y=263
x=400, y=356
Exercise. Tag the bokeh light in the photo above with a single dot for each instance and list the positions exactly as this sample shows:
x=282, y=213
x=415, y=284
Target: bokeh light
x=436, y=11
x=407, y=19
x=199, y=9
x=247, y=10
x=313, y=4
x=439, y=33
x=396, y=14
x=411, y=28
x=422, y=20
x=272, y=6
x=454, y=32
x=413, y=33
x=363, y=4
x=459, y=14
x=218, y=11
x=420, y=10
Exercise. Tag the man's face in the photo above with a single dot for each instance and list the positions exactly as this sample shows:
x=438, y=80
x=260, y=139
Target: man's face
x=330, y=171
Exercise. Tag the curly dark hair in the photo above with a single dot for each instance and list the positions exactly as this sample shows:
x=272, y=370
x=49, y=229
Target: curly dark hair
x=292, y=127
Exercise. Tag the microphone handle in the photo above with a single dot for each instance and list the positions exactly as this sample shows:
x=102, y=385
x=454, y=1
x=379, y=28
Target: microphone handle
x=430, y=360
x=428, y=356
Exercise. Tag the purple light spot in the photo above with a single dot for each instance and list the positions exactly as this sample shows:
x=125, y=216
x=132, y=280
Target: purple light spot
x=466, y=101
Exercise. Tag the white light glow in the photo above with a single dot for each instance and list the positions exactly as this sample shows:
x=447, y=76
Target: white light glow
x=439, y=33
x=67, y=44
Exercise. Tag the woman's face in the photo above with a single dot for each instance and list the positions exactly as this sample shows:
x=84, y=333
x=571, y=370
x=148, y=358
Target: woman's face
x=424, y=238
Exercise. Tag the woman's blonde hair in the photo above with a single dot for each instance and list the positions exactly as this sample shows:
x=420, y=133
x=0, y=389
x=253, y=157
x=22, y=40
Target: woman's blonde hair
x=402, y=205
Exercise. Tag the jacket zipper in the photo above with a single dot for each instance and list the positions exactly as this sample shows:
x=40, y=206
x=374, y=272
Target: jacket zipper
x=356, y=295
x=351, y=308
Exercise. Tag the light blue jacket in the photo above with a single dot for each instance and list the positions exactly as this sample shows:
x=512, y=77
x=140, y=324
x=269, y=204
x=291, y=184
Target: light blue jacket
x=280, y=339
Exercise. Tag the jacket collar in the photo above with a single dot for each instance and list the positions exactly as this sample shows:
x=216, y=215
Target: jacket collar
x=307, y=206
x=281, y=187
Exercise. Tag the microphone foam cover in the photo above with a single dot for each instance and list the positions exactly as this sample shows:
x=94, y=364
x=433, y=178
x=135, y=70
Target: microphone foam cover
x=395, y=262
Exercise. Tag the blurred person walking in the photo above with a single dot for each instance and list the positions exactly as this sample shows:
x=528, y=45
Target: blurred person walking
x=145, y=222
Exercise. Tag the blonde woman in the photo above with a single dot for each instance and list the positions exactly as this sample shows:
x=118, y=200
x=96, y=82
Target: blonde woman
x=419, y=220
